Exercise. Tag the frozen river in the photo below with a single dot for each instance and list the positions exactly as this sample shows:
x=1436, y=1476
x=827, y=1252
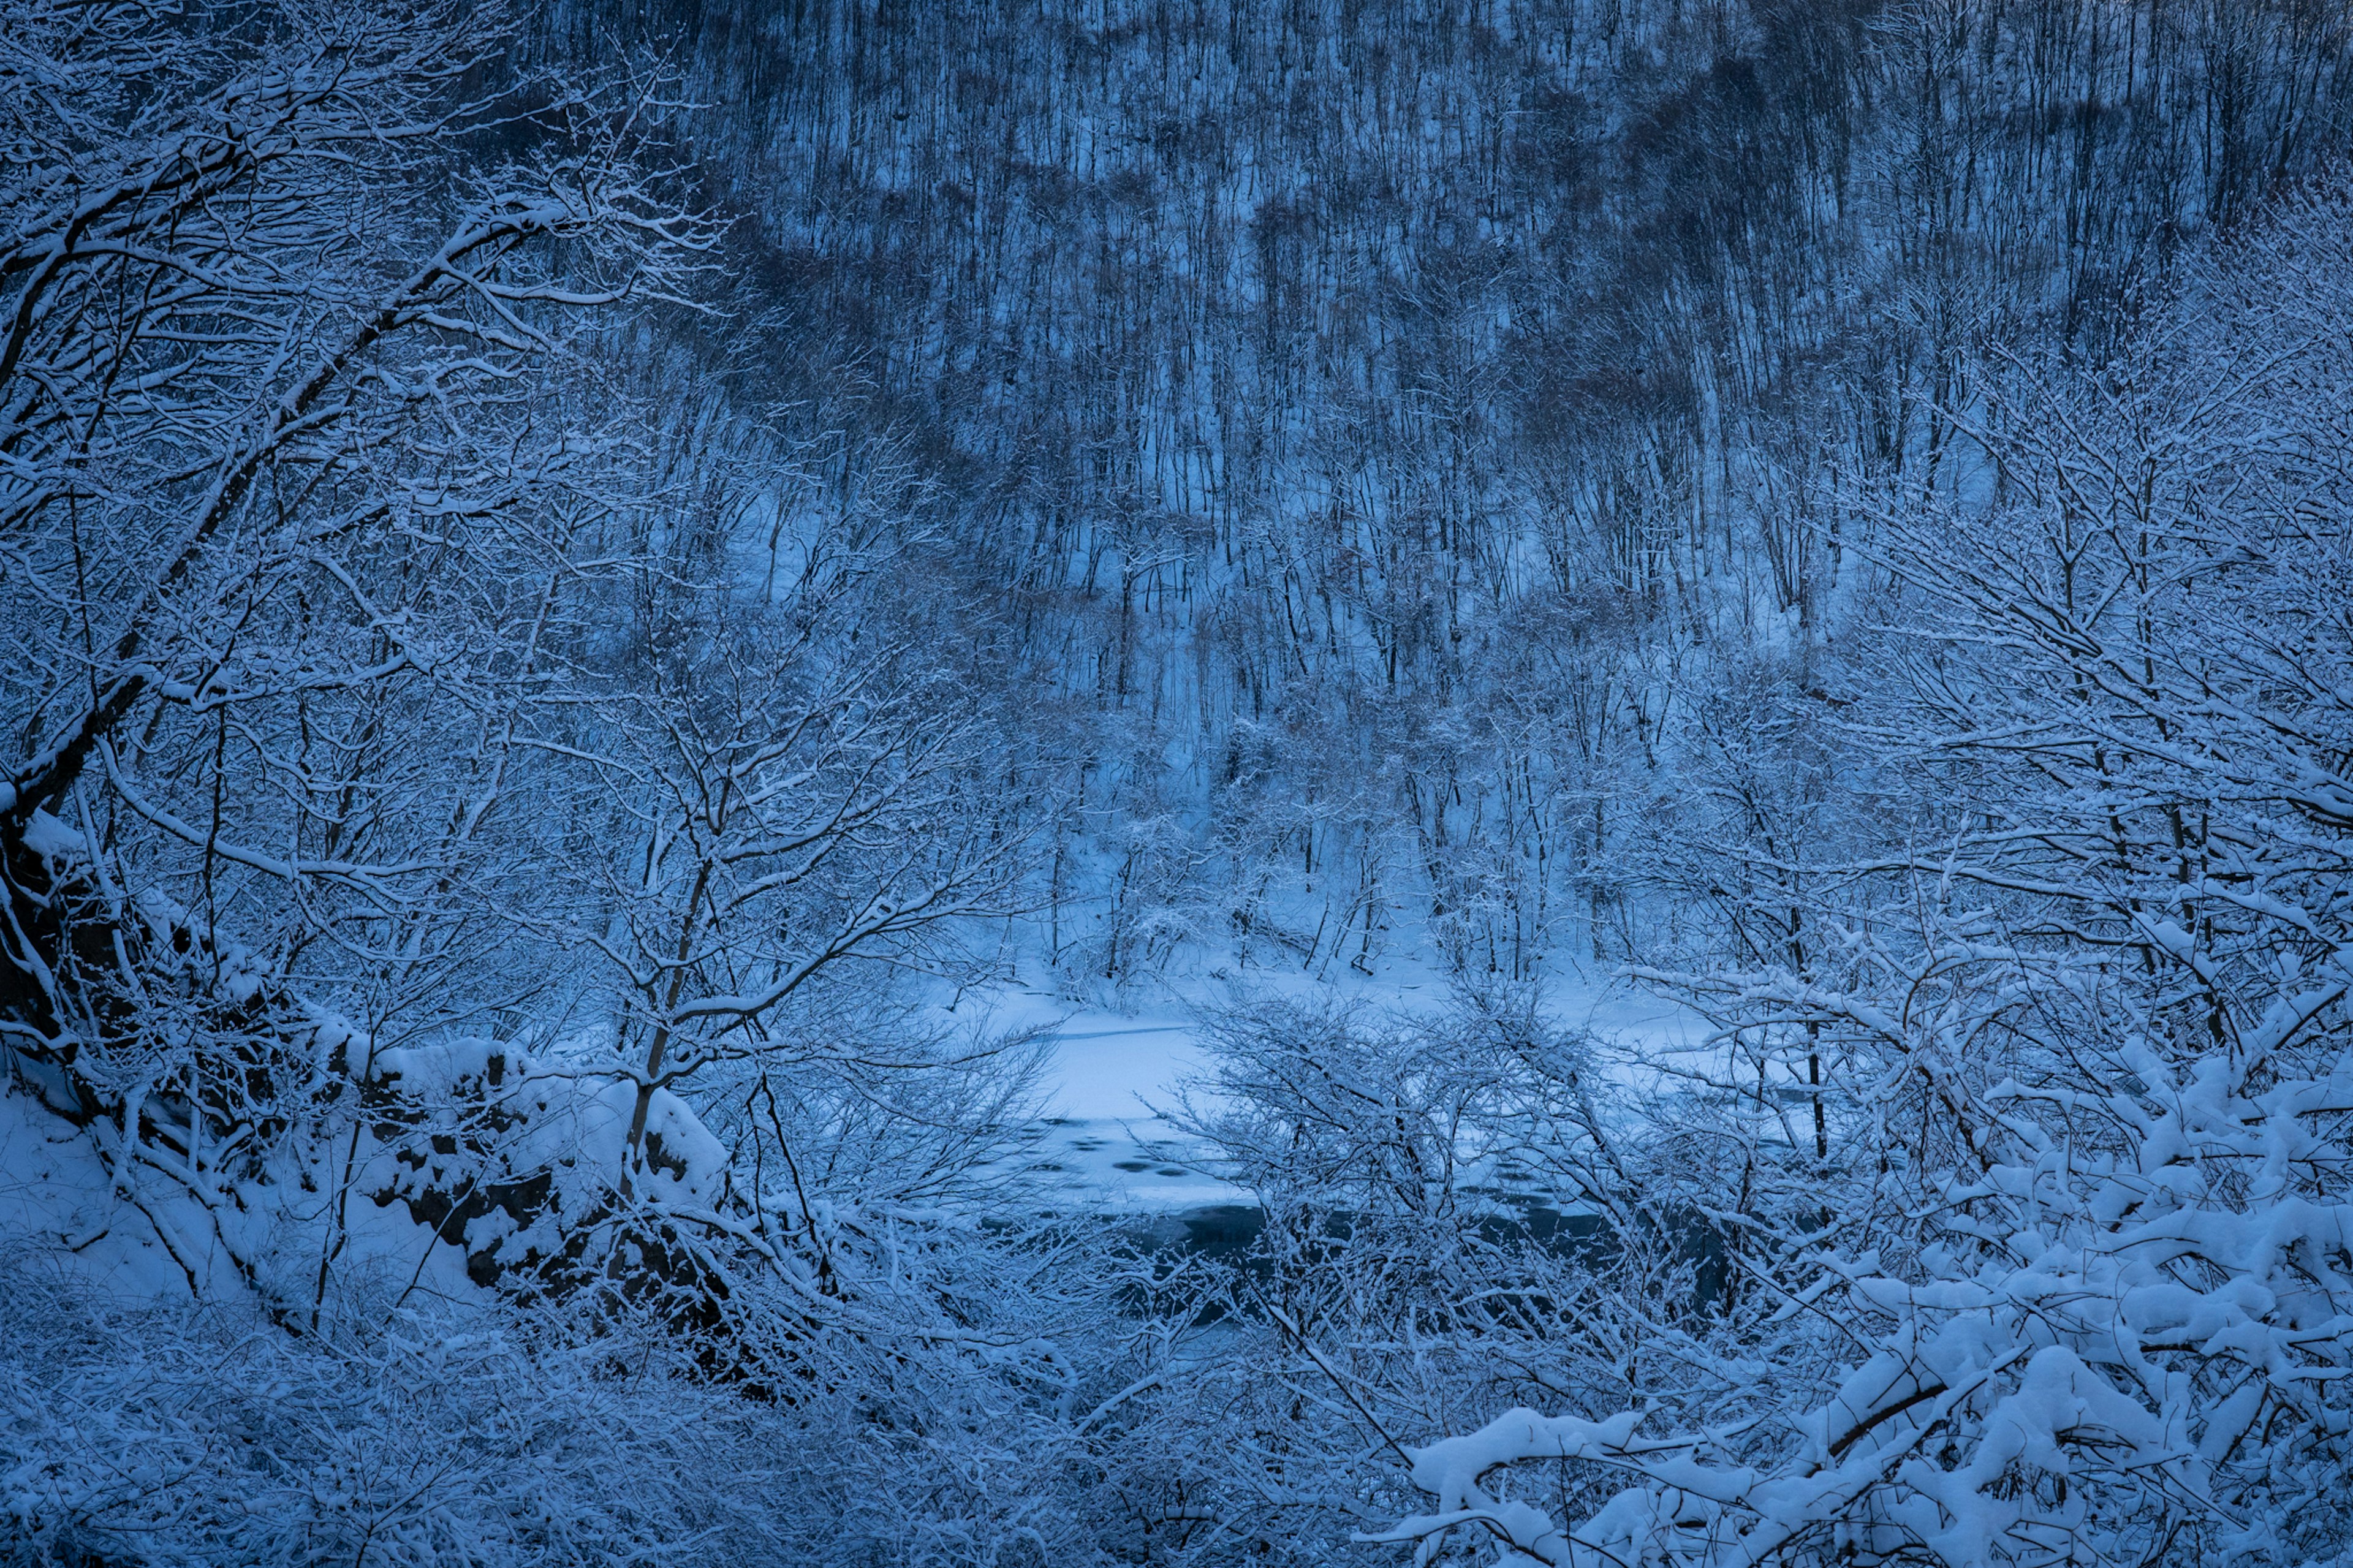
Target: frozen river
x=1107, y=1142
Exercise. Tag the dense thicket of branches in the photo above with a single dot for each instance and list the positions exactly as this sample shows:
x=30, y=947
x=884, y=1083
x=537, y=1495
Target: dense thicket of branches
x=2027, y=1137
x=569, y=578
x=441, y=794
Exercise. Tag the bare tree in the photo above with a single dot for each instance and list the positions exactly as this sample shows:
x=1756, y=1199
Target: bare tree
x=292, y=534
x=2072, y=1043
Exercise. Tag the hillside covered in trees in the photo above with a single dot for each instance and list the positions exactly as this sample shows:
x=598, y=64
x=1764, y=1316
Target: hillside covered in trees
x=1377, y=431
x=578, y=580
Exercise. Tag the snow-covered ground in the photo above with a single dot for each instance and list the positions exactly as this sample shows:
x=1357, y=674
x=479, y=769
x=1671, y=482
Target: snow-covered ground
x=141, y=1240
x=56, y=1203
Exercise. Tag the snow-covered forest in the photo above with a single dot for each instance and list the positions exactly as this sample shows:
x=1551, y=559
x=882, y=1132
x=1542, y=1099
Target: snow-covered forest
x=1142, y=781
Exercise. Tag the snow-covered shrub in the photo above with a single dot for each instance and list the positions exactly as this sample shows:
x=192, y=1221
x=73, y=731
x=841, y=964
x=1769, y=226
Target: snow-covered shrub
x=2068, y=1275
x=2098, y=1348
x=203, y=1434
x=1430, y=1251
x=440, y=1431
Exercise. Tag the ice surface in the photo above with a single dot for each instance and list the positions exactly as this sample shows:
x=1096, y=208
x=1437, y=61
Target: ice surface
x=1106, y=1140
